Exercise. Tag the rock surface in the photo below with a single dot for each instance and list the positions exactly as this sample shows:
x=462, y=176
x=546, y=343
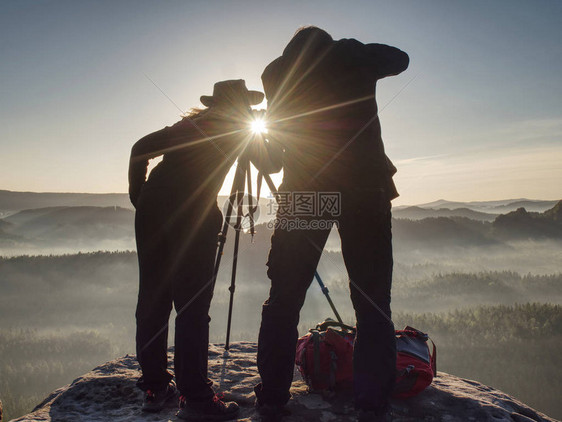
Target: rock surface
x=108, y=393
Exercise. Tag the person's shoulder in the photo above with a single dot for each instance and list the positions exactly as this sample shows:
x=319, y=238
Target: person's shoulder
x=182, y=124
x=273, y=68
x=349, y=42
x=347, y=52
x=348, y=45
x=188, y=125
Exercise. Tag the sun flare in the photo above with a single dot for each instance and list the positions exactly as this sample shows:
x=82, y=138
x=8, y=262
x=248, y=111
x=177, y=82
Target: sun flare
x=259, y=126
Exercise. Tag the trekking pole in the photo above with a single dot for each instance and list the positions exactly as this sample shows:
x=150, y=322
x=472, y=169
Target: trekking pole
x=327, y=294
x=323, y=287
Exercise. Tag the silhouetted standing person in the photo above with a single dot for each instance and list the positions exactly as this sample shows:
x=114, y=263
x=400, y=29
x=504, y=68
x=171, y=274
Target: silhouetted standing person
x=177, y=222
x=321, y=102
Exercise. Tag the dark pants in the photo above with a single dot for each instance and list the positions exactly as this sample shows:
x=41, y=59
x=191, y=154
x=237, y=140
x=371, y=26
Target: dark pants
x=365, y=232
x=176, y=251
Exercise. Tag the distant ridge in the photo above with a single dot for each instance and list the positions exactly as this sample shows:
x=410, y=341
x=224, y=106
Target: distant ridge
x=418, y=213
x=11, y=201
x=82, y=223
x=492, y=207
x=529, y=205
x=524, y=224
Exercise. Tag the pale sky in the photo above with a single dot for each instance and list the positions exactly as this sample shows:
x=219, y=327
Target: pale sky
x=478, y=115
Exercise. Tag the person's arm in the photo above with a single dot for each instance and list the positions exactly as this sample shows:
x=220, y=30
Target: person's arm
x=148, y=147
x=388, y=61
x=272, y=78
x=378, y=59
x=271, y=153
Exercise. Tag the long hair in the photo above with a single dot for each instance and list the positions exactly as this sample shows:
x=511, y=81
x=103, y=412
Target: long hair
x=195, y=113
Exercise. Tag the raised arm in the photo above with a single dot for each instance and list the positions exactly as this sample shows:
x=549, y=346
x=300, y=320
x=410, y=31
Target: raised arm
x=148, y=147
x=273, y=78
x=388, y=60
x=379, y=59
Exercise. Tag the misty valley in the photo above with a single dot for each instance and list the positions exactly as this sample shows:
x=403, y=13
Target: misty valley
x=483, y=279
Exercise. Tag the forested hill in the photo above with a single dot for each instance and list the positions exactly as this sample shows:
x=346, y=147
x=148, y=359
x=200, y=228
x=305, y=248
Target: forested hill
x=419, y=213
x=11, y=201
x=86, y=228
x=493, y=207
x=521, y=223
x=16, y=201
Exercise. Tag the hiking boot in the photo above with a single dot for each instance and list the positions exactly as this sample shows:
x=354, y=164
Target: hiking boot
x=154, y=401
x=213, y=409
x=371, y=416
x=271, y=412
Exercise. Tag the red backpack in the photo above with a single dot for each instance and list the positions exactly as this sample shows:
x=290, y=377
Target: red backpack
x=325, y=359
x=415, y=365
x=325, y=356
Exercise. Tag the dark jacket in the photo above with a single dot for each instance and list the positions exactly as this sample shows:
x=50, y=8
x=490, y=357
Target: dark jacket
x=196, y=158
x=324, y=114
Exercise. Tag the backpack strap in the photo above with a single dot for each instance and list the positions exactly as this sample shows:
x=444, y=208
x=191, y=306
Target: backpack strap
x=323, y=326
x=412, y=332
x=251, y=208
x=433, y=358
x=316, y=344
x=259, y=180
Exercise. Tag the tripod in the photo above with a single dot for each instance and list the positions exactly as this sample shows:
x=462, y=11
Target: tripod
x=236, y=199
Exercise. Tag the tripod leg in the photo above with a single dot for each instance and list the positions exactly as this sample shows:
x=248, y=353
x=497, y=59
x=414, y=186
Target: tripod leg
x=222, y=240
x=242, y=166
x=232, y=288
x=222, y=235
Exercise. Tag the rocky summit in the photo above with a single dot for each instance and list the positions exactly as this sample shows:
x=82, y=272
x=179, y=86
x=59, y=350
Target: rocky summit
x=108, y=393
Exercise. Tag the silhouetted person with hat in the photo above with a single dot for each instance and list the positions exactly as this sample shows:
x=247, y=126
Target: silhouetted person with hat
x=177, y=222
x=323, y=113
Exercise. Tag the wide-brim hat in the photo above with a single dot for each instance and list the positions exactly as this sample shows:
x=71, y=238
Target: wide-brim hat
x=232, y=91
